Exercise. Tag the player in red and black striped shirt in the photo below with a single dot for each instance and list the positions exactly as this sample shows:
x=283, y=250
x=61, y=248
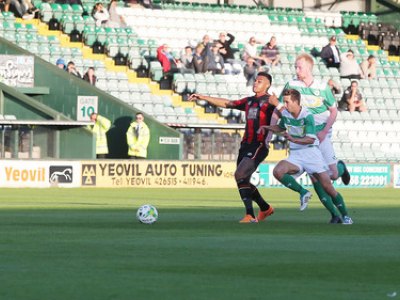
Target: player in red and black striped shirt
x=254, y=146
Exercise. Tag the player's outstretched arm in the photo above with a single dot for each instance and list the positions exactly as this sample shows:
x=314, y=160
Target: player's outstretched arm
x=273, y=128
x=220, y=102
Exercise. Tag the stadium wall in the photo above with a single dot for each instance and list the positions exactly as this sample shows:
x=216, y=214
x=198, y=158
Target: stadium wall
x=167, y=174
x=53, y=141
x=64, y=89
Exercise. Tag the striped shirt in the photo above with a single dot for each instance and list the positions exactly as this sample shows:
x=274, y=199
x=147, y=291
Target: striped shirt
x=258, y=113
x=318, y=98
x=299, y=127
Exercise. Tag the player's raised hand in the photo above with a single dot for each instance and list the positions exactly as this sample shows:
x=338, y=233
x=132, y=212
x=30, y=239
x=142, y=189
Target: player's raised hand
x=194, y=97
x=273, y=100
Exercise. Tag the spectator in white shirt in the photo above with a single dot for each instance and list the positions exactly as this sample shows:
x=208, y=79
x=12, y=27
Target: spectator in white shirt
x=349, y=67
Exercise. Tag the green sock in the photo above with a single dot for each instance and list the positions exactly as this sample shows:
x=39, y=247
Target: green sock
x=325, y=199
x=339, y=202
x=292, y=184
x=340, y=168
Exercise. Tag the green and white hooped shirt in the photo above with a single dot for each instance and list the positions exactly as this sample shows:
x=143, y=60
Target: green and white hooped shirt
x=317, y=98
x=299, y=127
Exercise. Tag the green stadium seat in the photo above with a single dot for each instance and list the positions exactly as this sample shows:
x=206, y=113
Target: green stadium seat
x=77, y=9
x=8, y=16
x=57, y=11
x=101, y=34
x=156, y=71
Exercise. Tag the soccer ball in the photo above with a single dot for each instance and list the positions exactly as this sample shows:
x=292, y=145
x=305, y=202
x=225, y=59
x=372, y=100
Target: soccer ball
x=147, y=214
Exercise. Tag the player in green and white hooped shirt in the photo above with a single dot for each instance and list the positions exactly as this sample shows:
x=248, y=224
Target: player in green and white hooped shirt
x=305, y=155
x=318, y=99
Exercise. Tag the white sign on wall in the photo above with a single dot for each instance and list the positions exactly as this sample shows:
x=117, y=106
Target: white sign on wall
x=86, y=105
x=17, y=173
x=17, y=70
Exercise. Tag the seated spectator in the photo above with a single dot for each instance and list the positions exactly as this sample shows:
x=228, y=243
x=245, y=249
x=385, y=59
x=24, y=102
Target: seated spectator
x=349, y=67
x=116, y=20
x=250, y=70
x=270, y=53
x=187, y=60
x=368, y=68
x=335, y=88
x=71, y=69
x=20, y=8
x=61, y=63
x=226, y=50
x=250, y=50
x=65, y=1
x=102, y=16
x=90, y=77
x=199, y=62
x=166, y=59
x=352, y=99
x=331, y=54
x=215, y=60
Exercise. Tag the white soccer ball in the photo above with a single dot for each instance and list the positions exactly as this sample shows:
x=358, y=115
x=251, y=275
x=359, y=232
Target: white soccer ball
x=147, y=214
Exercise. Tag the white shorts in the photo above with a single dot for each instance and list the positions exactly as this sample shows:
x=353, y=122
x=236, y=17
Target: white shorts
x=309, y=160
x=326, y=148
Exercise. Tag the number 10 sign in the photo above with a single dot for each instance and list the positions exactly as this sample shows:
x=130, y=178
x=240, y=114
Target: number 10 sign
x=86, y=105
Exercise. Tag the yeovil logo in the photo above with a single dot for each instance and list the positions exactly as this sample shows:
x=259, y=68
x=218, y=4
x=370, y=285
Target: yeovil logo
x=60, y=174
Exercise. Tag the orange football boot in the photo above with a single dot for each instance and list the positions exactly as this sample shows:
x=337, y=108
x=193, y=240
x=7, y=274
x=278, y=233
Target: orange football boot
x=262, y=215
x=248, y=219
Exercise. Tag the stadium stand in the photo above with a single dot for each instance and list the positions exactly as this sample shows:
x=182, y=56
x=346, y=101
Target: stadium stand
x=179, y=24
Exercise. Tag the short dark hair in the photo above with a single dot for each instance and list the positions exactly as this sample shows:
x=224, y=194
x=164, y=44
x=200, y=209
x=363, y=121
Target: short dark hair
x=354, y=81
x=266, y=75
x=371, y=56
x=294, y=94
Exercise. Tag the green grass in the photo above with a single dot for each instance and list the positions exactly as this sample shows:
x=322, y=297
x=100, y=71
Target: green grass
x=86, y=244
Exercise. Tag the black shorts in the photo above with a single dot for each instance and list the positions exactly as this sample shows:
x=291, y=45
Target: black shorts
x=256, y=151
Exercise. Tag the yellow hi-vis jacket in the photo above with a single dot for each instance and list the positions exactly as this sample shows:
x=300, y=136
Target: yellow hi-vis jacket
x=138, y=139
x=100, y=128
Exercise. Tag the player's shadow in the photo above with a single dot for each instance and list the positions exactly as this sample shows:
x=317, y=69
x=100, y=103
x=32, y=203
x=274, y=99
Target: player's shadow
x=116, y=138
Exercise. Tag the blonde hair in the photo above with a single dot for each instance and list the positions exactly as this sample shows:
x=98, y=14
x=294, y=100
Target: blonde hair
x=307, y=57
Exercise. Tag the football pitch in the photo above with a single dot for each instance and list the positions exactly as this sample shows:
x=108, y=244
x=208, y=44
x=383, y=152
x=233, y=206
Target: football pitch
x=87, y=244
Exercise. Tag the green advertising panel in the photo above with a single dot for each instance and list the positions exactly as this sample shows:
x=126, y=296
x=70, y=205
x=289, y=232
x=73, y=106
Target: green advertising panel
x=362, y=175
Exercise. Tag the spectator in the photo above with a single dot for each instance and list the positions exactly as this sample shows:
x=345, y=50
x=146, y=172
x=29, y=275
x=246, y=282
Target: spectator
x=352, y=99
x=100, y=128
x=199, y=62
x=250, y=50
x=167, y=60
x=331, y=54
x=61, y=63
x=215, y=60
x=270, y=53
x=226, y=50
x=71, y=69
x=250, y=70
x=70, y=2
x=90, y=77
x=368, y=68
x=206, y=46
x=335, y=88
x=116, y=20
x=138, y=137
x=349, y=67
x=20, y=8
x=187, y=60
x=102, y=16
